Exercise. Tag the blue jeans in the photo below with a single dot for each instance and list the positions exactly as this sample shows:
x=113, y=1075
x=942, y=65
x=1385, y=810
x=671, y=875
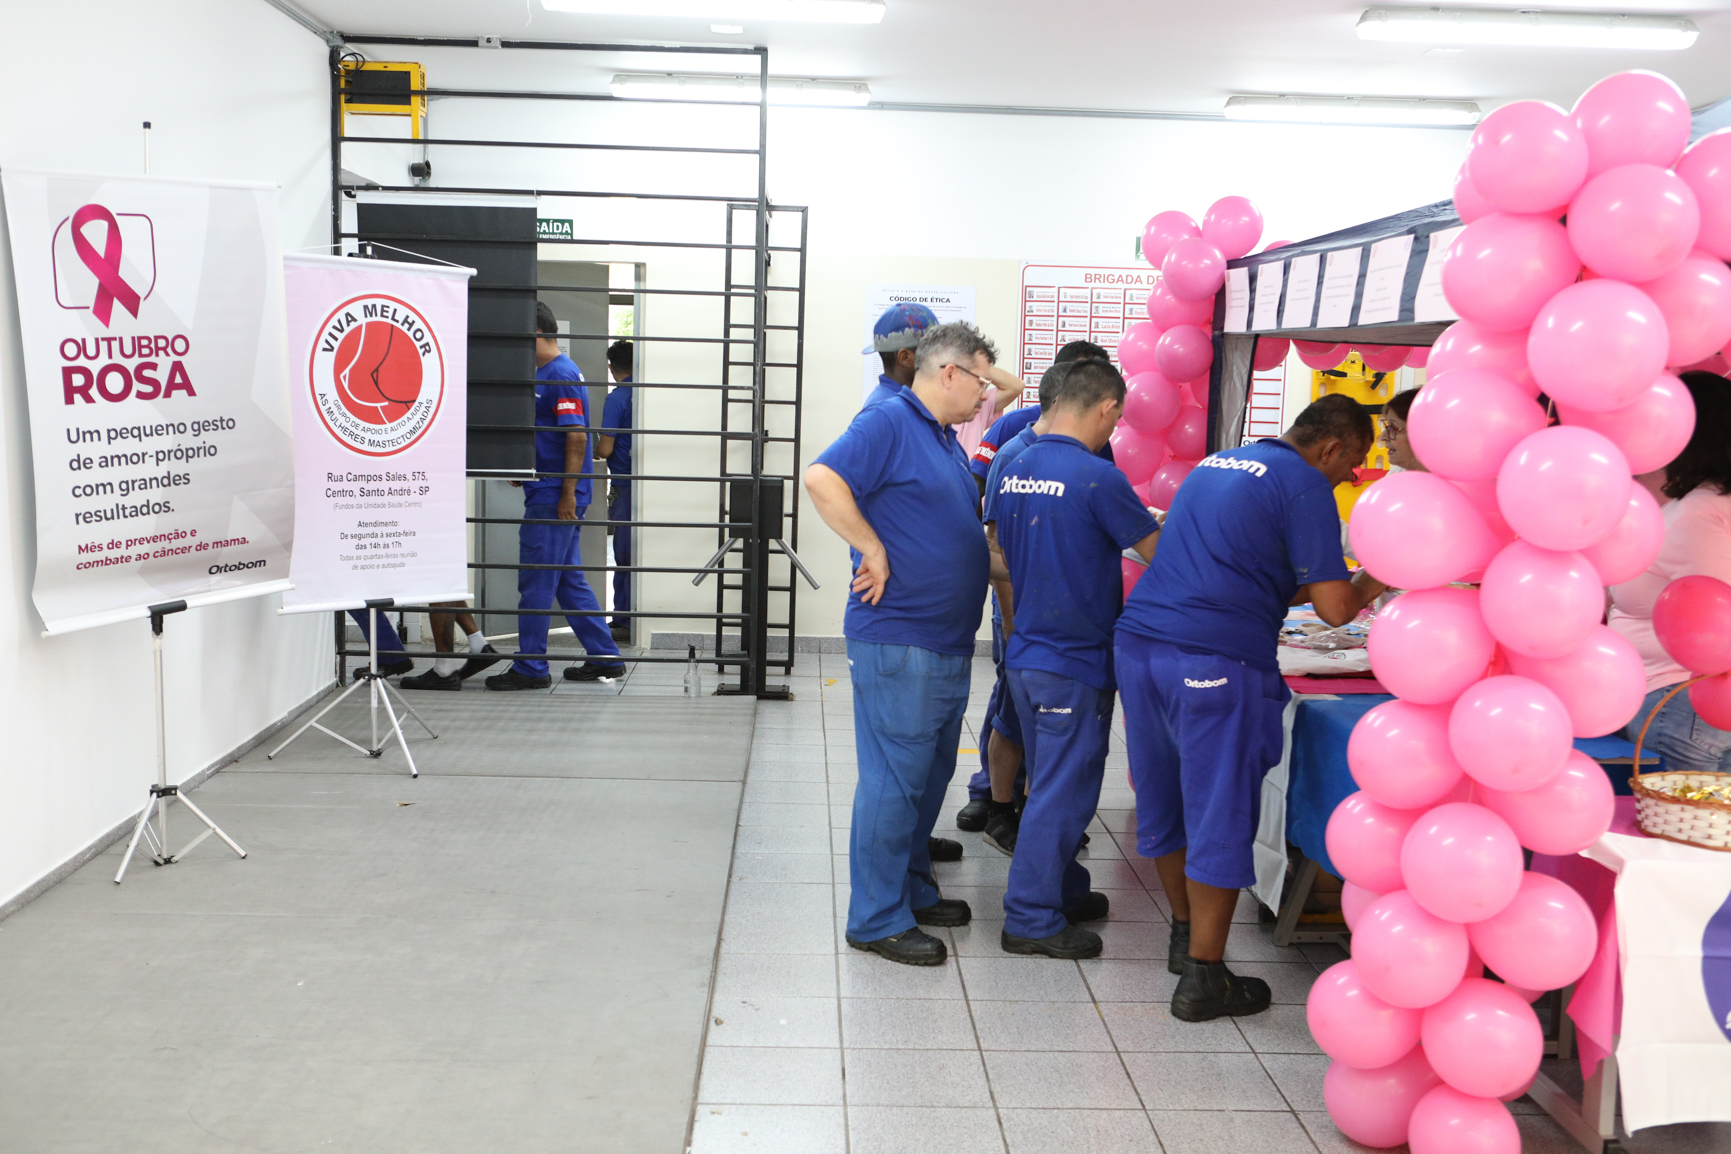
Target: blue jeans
x=908, y=704
x=1066, y=727
x=1680, y=736
x=545, y=588
x=620, y=510
x=1001, y=716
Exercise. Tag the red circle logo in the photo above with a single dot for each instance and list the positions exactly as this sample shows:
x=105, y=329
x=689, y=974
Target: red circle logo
x=377, y=372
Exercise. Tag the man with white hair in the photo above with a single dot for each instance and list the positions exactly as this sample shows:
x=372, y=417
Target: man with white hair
x=895, y=486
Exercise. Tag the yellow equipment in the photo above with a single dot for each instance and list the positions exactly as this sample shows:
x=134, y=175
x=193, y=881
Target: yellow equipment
x=384, y=88
x=1370, y=389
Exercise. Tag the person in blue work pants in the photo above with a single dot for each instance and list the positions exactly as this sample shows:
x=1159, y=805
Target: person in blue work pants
x=615, y=449
x=895, y=486
x=553, y=508
x=1059, y=519
x=1252, y=531
x=392, y=659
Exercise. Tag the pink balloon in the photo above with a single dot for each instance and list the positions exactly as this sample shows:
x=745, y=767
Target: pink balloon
x=1183, y=353
x=1364, y=839
x=1136, y=349
x=1270, y=352
x=1634, y=223
x=1150, y=402
x=1706, y=168
x=1194, y=270
x=1274, y=244
x=1446, y=1121
x=1416, y=531
x=1540, y=603
x=1136, y=453
x=1600, y=683
x=1651, y=430
x=1695, y=300
x=1164, y=230
x=1544, y=939
x=1384, y=358
x=1632, y=118
x=1354, y=900
x=1461, y=862
x=1465, y=421
x=1711, y=700
x=1482, y=495
x=1232, y=225
x=1428, y=646
x=1196, y=393
x=1628, y=549
x=1510, y=733
x=1502, y=269
x=1373, y=1107
x=1563, y=816
x=1527, y=156
x=1692, y=618
x=1188, y=435
x=1320, y=354
x=1399, y=755
x=1596, y=345
x=1353, y=1025
x=1168, y=312
x=1483, y=1040
x=1464, y=345
x=1406, y=955
x=1470, y=204
x=1130, y=572
x=1563, y=488
x=1419, y=358
x=1164, y=486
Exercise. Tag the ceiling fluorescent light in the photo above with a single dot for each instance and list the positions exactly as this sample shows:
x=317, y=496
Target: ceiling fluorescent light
x=1526, y=29
x=812, y=11
x=741, y=89
x=1352, y=110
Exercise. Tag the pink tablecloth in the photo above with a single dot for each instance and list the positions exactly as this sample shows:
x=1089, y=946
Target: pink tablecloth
x=1597, y=1005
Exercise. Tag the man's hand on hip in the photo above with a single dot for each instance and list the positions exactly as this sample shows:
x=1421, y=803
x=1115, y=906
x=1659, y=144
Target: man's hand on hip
x=872, y=575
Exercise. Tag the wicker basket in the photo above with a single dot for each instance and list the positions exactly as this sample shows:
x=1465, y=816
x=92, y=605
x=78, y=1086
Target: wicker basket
x=1660, y=813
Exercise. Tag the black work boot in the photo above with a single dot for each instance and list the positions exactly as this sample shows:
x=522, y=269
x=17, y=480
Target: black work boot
x=1090, y=909
x=1002, y=826
x=972, y=817
x=1178, y=947
x=912, y=947
x=1069, y=942
x=943, y=849
x=945, y=912
x=1208, y=990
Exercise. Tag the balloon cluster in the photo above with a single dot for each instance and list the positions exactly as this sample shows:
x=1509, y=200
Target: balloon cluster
x=1166, y=358
x=1324, y=355
x=1474, y=760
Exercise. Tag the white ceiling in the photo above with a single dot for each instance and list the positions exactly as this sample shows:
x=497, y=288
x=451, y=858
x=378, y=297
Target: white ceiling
x=1182, y=56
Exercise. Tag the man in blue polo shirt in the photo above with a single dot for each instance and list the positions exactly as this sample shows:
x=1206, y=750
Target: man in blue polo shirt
x=1061, y=517
x=895, y=486
x=894, y=339
x=615, y=449
x=1251, y=531
x=559, y=404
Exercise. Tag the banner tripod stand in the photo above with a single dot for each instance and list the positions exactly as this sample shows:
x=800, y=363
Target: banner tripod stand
x=162, y=793
x=379, y=693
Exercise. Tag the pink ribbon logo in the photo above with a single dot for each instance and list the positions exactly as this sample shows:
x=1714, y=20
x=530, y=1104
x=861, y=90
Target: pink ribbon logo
x=105, y=266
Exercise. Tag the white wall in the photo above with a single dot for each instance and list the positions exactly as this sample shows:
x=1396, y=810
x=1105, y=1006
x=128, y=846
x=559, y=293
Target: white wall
x=234, y=90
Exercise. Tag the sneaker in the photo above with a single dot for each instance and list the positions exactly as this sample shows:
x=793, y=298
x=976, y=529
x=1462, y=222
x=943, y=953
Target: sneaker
x=589, y=671
x=1001, y=829
x=511, y=680
x=1208, y=990
x=943, y=849
x=972, y=817
x=1178, y=947
x=388, y=668
x=912, y=947
x=475, y=664
x=945, y=912
x=1090, y=909
x=1069, y=942
x=432, y=679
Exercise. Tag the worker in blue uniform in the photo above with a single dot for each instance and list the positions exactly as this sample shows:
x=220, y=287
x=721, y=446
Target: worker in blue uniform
x=558, y=502
x=1060, y=518
x=894, y=339
x=615, y=449
x=895, y=486
x=1252, y=531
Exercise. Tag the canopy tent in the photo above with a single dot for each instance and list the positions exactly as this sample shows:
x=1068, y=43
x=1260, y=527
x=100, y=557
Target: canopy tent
x=1377, y=283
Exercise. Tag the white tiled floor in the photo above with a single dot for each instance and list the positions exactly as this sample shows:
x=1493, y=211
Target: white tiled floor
x=815, y=1048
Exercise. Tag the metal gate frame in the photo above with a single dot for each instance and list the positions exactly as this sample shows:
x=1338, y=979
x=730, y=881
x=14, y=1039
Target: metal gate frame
x=747, y=532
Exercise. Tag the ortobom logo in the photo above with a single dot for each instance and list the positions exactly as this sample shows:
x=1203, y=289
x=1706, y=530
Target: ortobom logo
x=377, y=374
x=122, y=271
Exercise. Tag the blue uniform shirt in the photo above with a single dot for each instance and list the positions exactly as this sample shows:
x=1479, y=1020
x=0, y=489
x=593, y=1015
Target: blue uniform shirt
x=1007, y=454
x=886, y=389
x=1248, y=527
x=999, y=435
x=561, y=402
x=616, y=414
x=1063, y=518
x=911, y=481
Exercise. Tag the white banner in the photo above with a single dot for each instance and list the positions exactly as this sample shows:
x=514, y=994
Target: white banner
x=154, y=360
x=378, y=352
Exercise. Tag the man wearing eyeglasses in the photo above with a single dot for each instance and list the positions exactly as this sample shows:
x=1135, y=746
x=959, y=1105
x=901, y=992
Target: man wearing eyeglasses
x=895, y=486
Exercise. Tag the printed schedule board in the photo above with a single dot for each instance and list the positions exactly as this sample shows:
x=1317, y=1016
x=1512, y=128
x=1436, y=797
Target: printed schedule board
x=1061, y=303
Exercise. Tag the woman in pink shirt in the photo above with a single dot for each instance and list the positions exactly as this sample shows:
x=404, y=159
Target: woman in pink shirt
x=1697, y=541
